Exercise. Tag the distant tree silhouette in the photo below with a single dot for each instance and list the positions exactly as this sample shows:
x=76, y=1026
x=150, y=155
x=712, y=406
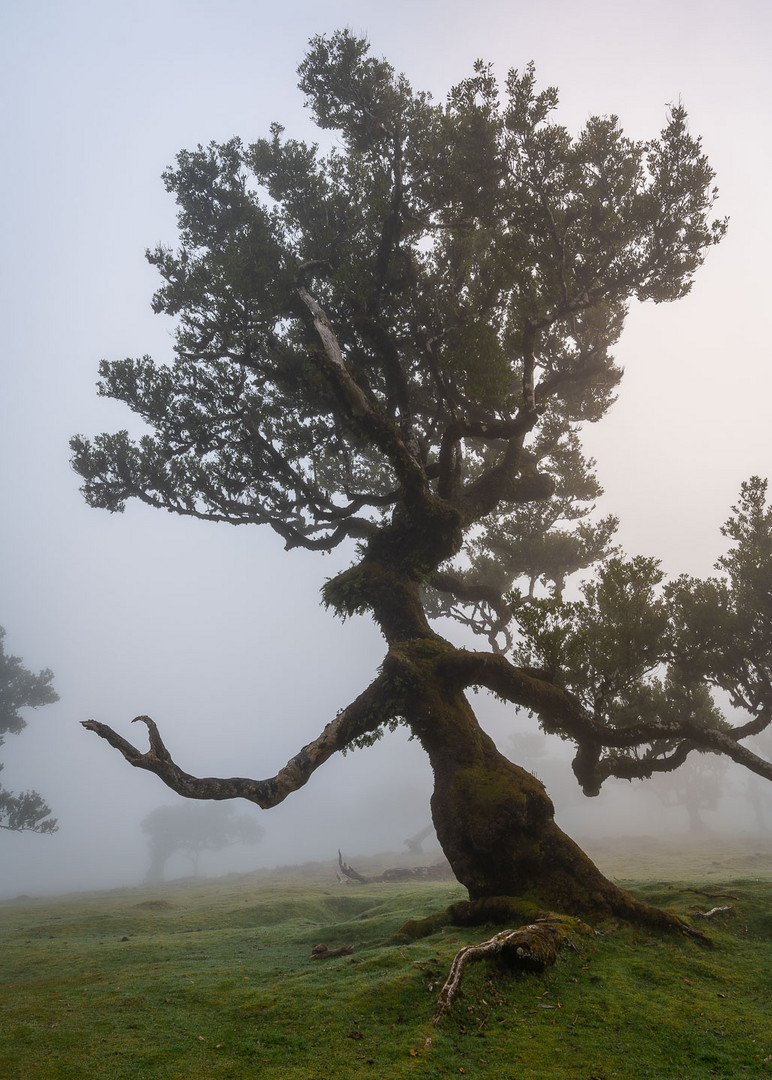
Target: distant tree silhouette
x=21, y=689
x=190, y=828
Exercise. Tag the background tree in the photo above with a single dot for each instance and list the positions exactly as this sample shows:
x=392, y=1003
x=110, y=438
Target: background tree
x=190, y=828
x=20, y=689
x=696, y=787
x=393, y=346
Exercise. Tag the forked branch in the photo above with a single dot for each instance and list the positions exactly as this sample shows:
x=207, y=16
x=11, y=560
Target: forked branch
x=362, y=716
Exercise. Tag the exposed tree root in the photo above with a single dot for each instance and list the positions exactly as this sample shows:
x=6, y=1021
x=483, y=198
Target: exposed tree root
x=531, y=948
x=508, y=910
x=503, y=910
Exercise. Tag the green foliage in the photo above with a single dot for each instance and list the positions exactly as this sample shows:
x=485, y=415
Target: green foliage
x=449, y=246
x=725, y=624
x=21, y=689
x=600, y=645
x=217, y=981
x=619, y=652
x=392, y=344
x=546, y=542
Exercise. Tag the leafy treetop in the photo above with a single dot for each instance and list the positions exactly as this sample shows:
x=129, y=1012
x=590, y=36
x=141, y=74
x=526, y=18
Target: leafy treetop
x=424, y=312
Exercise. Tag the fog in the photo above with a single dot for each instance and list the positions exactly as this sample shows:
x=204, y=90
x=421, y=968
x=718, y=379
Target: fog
x=214, y=631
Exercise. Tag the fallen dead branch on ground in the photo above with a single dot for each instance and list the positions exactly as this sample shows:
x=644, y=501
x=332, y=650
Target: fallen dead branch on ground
x=322, y=952
x=439, y=872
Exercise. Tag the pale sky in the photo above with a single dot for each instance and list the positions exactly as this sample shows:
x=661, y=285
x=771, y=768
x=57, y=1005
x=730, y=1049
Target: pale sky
x=216, y=632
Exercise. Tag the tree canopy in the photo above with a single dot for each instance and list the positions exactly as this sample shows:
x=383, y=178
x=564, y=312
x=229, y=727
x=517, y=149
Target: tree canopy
x=393, y=344
x=21, y=689
x=424, y=312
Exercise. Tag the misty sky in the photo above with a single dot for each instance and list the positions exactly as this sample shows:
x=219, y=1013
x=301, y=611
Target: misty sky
x=215, y=631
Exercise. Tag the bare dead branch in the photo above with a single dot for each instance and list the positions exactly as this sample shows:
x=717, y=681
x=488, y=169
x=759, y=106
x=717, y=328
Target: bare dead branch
x=361, y=411
x=322, y=952
x=709, y=914
x=362, y=716
x=350, y=872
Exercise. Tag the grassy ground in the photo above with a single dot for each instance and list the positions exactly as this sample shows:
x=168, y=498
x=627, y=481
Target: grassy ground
x=213, y=979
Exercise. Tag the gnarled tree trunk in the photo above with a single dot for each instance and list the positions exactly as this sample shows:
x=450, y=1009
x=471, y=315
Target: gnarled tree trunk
x=495, y=821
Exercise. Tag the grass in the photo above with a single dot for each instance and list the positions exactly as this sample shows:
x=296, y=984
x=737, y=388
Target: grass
x=213, y=979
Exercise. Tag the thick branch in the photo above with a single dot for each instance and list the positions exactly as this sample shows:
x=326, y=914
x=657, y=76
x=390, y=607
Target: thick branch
x=558, y=706
x=760, y=722
x=364, y=715
x=505, y=483
x=470, y=592
x=512, y=431
x=482, y=597
x=591, y=770
x=361, y=412
x=528, y=690
x=724, y=742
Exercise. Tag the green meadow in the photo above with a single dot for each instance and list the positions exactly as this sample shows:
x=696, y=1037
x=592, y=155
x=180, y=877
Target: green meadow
x=203, y=979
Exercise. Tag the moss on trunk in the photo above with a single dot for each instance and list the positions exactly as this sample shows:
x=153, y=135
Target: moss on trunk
x=494, y=820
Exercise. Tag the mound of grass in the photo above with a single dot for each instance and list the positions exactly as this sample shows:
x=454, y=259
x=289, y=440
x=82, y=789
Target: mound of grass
x=215, y=980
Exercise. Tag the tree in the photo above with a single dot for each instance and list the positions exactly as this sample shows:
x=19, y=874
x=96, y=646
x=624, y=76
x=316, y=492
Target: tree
x=20, y=689
x=393, y=346
x=696, y=787
x=191, y=828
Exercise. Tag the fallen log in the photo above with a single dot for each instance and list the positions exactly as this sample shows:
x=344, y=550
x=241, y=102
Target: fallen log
x=438, y=872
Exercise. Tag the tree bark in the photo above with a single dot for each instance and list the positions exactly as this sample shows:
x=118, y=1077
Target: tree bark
x=495, y=823
x=494, y=820
x=531, y=948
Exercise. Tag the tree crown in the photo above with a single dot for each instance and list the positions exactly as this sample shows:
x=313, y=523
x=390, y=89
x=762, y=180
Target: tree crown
x=408, y=326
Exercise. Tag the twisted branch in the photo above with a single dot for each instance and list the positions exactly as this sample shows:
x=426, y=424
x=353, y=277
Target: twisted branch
x=362, y=716
x=555, y=704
